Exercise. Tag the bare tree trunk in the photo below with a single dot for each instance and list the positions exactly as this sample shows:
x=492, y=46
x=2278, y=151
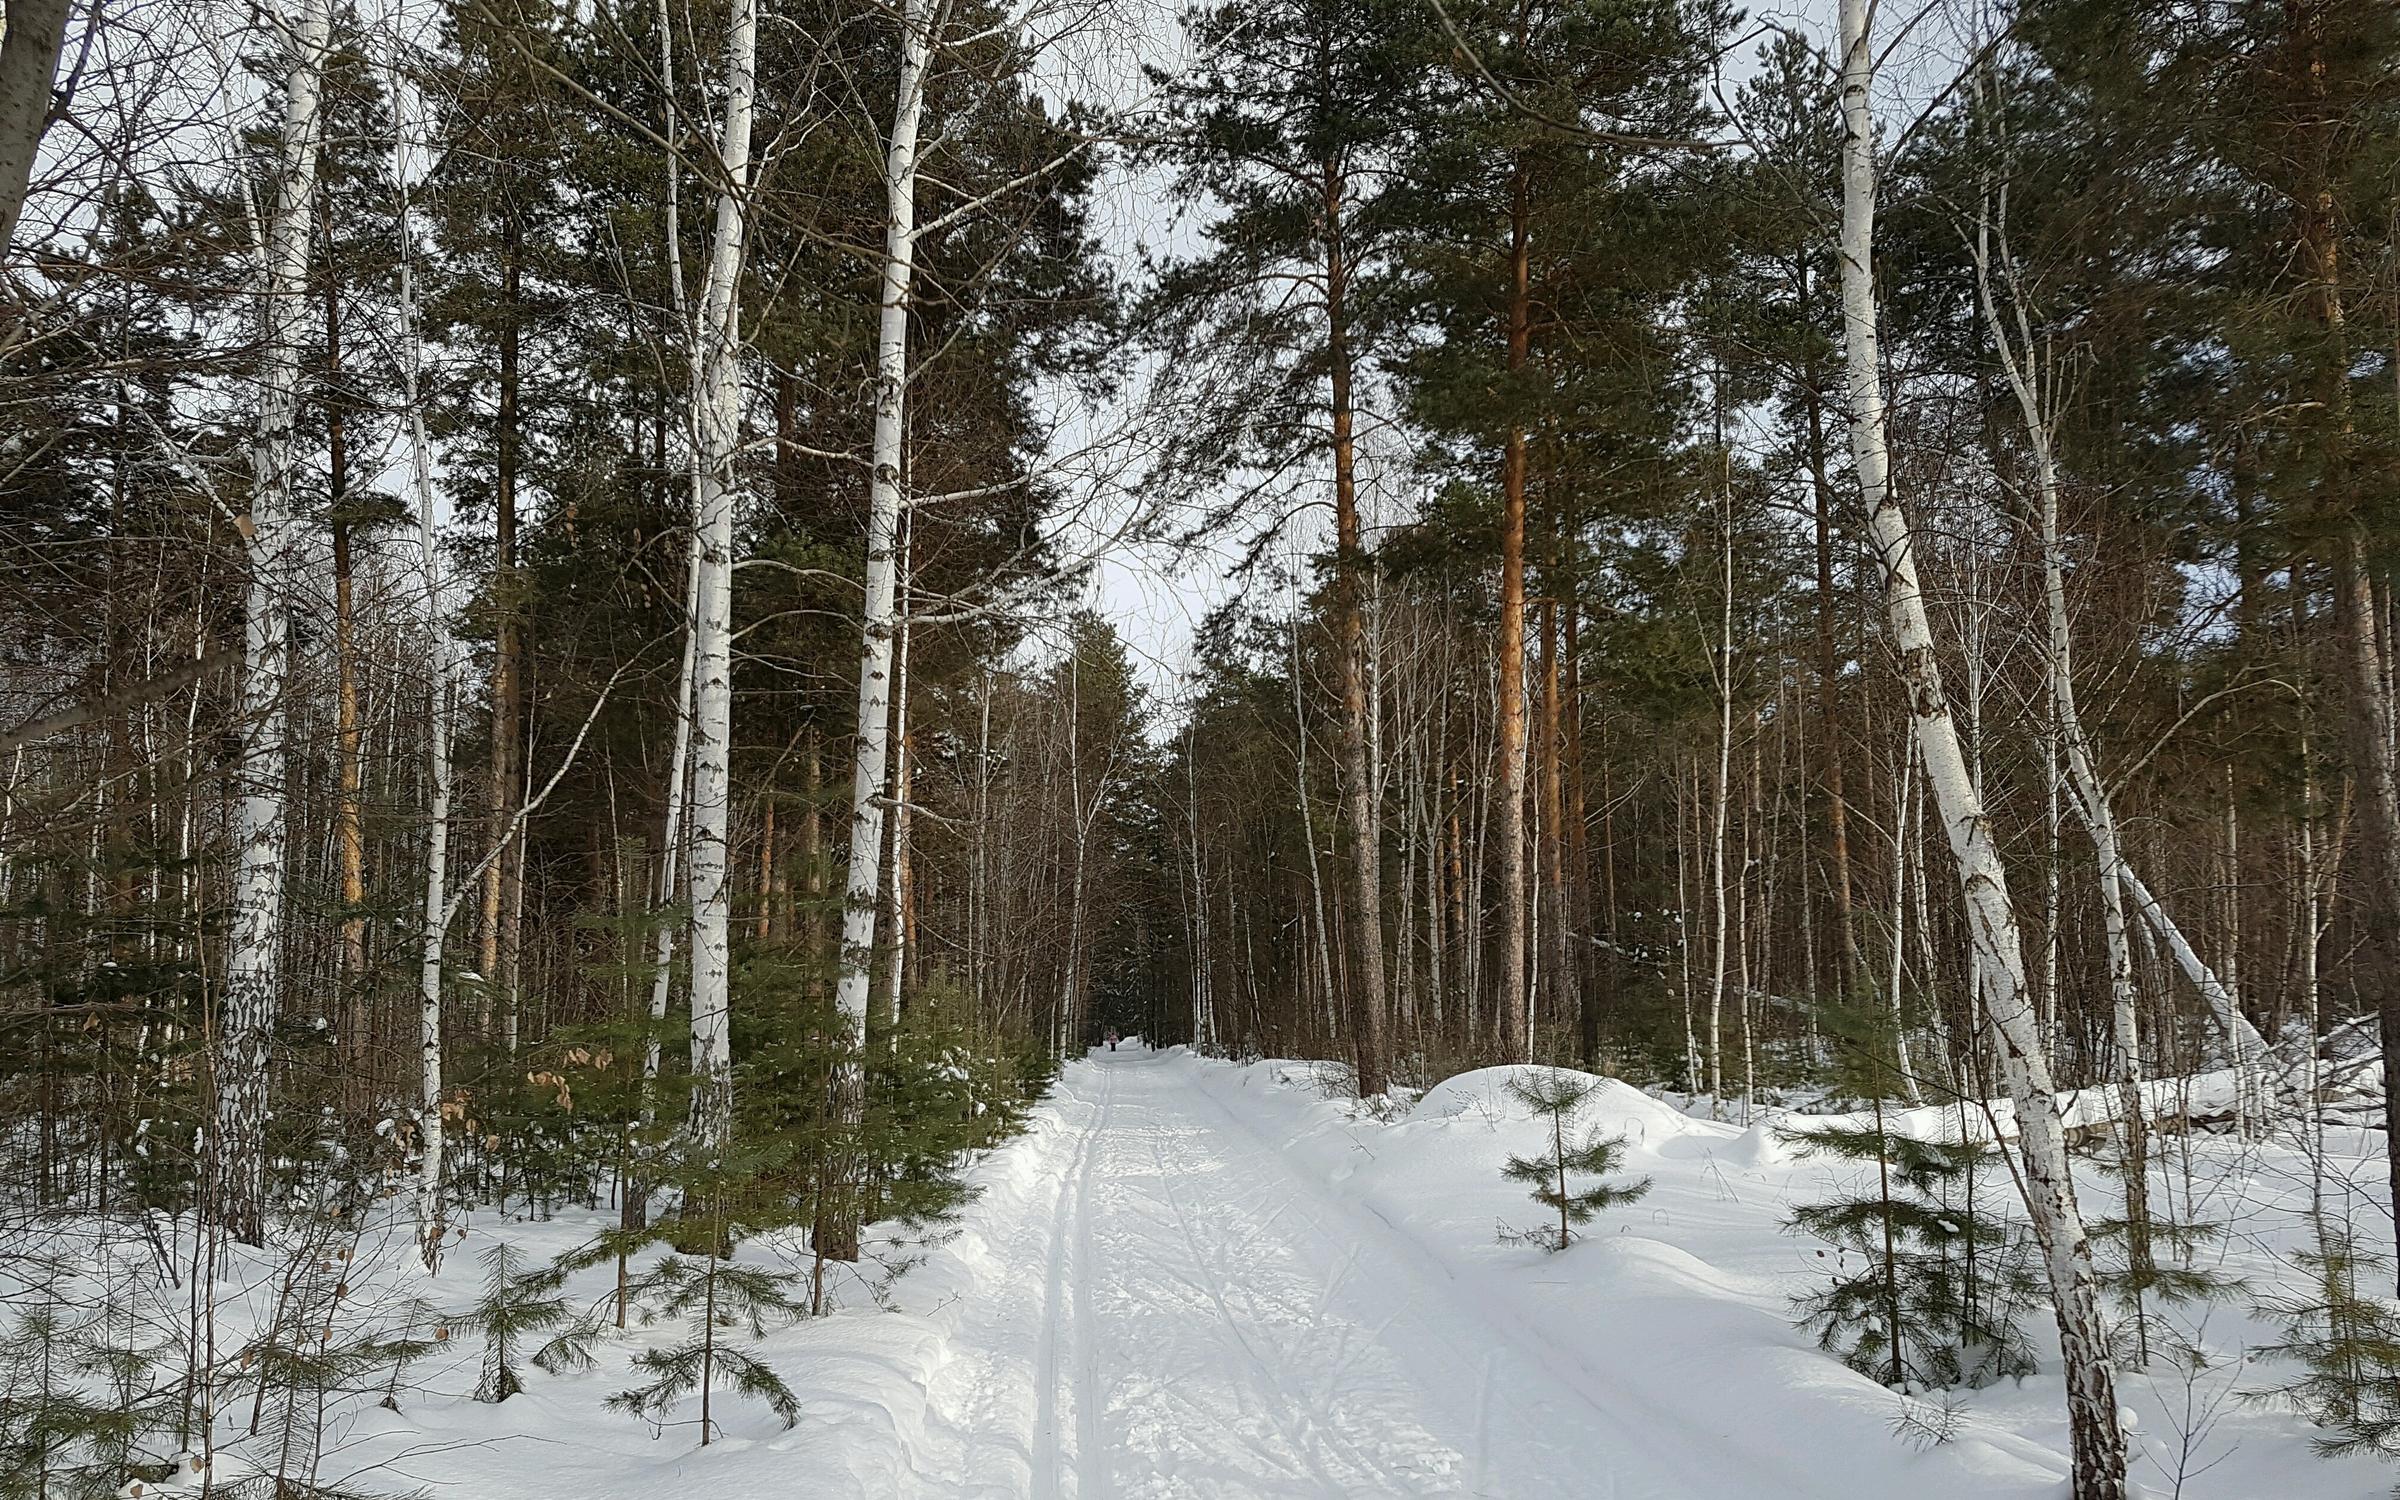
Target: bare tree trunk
x=1308, y=837
x=508, y=708
x=246, y=1015
x=1370, y=1047
x=2372, y=760
x=1716, y=837
x=2021, y=362
x=29, y=47
x=1514, y=1031
x=896, y=959
x=437, y=908
x=349, y=836
x=718, y=420
x=1829, y=718
x=2097, y=1440
x=1559, y=980
x=879, y=622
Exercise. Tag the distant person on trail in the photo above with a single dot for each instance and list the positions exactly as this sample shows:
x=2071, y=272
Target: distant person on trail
x=1112, y=1039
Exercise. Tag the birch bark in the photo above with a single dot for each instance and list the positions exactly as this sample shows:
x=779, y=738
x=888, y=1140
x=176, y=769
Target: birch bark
x=2098, y=1442
x=880, y=623
x=252, y=973
x=437, y=753
x=717, y=420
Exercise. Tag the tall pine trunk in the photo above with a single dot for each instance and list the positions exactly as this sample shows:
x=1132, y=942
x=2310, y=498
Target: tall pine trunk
x=1368, y=1020
x=1515, y=1019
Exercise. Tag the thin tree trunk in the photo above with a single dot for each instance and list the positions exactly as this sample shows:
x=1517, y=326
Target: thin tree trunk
x=1716, y=837
x=1370, y=1046
x=2097, y=1440
x=879, y=622
x=349, y=836
x=2020, y=363
x=436, y=915
x=896, y=959
x=499, y=940
x=1514, y=1031
x=718, y=416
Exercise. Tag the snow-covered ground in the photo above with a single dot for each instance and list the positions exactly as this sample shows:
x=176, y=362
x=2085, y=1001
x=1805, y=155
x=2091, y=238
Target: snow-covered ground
x=1192, y=1278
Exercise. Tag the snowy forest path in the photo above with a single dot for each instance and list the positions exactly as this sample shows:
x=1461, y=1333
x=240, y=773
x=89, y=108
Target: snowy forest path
x=1213, y=1323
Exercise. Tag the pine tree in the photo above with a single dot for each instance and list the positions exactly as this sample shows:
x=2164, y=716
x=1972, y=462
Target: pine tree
x=1933, y=1301
x=715, y=1295
x=1556, y=1095
x=2348, y=1343
x=516, y=1307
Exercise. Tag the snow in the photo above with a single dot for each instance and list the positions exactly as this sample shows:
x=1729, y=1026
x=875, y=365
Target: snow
x=1192, y=1278
x=1614, y=1107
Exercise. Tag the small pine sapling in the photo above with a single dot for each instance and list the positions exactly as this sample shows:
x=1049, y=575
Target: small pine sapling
x=516, y=1308
x=1556, y=1095
x=1930, y=1303
x=74, y=1409
x=2142, y=1280
x=716, y=1295
x=2347, y=1342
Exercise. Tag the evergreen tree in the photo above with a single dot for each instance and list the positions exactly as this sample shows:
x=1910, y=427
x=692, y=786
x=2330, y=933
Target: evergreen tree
x=1934, y=1299
x=2347, y=1342
x=516, y=1307
x=715, y=1295
x=1555, y=1095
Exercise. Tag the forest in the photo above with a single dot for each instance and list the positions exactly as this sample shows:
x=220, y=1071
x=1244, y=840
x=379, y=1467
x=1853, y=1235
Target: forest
x=801, y=745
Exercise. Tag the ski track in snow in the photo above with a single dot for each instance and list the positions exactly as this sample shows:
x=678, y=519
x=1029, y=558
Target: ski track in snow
x=1197, y=1280
x=1213, y=1324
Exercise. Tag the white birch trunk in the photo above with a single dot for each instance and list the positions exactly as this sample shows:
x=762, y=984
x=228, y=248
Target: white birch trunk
x=246, y=1014
x=718, y=416
x=879, y=621
x=679, y=758
x=2242, y=1039
x=2098, y=1442
x=1716, y=837
x=2020, y=362
x=671, y=841
x=437, y=752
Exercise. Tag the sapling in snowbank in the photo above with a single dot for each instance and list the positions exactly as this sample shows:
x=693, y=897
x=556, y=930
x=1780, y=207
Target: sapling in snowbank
x=1556, y=1096
x=1930, y=1301
x=517, y=1307
x=2157, y=1267
x=2348, y=1344
x=715, y=1294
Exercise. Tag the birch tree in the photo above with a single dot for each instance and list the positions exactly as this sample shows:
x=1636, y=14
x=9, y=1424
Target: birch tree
x=246, y=1014
x=879, y=620
x=2049, y=1188
x=436, y=912
x=30, y=36
x=717, y=421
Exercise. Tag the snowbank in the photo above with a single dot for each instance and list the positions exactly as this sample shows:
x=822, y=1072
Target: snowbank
x=1614, y=1108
